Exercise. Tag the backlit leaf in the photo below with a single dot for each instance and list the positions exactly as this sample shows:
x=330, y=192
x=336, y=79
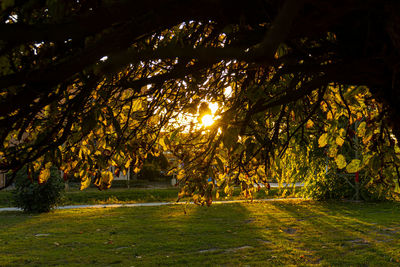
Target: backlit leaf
x=340, y=161
x=339, y=141
x=353, y=166
x=43, y=175
x=323, y=140
x=85, y=182
x=361, y=129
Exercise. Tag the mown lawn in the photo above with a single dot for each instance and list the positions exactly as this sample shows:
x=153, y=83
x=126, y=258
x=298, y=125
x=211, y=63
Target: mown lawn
x=133, y=195
x=241, y=234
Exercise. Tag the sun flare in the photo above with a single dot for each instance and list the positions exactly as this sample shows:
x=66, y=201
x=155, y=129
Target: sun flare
x=207, y=120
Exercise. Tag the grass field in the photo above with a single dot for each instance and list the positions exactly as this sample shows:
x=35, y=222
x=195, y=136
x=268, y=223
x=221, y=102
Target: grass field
x=246, y=234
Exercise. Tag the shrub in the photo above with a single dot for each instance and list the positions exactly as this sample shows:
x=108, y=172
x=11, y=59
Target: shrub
x=34, y=197
x=324, y=187
x=337, y=186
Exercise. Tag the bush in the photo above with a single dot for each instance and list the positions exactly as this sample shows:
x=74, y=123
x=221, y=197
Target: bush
x=329, y=186
x=336, y=186
x=34, y=197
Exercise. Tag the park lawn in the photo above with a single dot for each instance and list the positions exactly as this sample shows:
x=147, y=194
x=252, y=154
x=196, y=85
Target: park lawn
x=133, y=195
x=241, y=234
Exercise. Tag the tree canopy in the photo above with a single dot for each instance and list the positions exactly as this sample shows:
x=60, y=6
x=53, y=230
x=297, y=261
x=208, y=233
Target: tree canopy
x=92, y=83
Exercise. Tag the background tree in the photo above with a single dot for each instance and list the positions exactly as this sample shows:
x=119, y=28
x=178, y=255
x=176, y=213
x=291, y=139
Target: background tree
x=86, y=84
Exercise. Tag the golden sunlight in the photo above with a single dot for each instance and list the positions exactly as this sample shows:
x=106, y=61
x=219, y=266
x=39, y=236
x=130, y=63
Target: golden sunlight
x=207, y=120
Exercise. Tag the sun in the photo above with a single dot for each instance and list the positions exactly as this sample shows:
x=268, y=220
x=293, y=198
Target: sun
x=207, y=120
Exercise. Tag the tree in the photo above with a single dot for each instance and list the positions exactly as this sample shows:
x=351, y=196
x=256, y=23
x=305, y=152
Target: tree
x=90, y=83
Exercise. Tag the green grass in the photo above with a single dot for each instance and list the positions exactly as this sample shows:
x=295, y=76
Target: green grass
x=133, y=195
x=246, y=234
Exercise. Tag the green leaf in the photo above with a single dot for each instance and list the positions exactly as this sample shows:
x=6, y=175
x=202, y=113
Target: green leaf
x=230, y=137
x=323, y=140
x=174, y=134
x=220, y=164
x=354, y=166
x=340, y=161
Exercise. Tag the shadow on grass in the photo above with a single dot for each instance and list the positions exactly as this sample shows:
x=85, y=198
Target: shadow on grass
x=348, y=230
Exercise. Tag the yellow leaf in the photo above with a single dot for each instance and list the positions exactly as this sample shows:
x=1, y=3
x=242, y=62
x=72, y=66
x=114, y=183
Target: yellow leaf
x=44, y=175
x=324, y=106
x=309, y=124
x=340, y=161
x=342, y=132
x=228, y=190
x=82, y=173
x=323, y=140
x=353, y=166
x=128, y=163
x=107, y=176
x=180, y=175
x=333, y=151
x=339, y=141
x=85, y=182
x=162, y=143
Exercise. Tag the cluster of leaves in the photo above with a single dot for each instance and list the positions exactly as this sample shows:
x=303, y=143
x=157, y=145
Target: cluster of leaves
x=361, y=151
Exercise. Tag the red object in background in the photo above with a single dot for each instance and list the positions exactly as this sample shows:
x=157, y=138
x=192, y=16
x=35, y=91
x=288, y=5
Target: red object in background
x=357, y=179
x=65, y=176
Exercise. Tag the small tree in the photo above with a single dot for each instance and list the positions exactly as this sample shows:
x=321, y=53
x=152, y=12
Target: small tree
x=32, y=196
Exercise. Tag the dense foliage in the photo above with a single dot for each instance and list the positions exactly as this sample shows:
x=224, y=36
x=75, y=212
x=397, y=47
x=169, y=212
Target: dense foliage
x=88, y=84
x=31, y=196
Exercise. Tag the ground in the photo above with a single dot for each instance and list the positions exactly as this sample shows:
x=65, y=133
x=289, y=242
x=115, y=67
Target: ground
x=242, y=234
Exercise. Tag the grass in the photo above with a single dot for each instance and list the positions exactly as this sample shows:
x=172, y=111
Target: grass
x=246, y=234
x=133, y=195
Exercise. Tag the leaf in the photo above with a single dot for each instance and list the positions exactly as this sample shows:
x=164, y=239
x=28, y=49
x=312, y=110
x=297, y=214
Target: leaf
x=163, y=144
x=43, y=175
x=339, y=141
x=332, y=151
x=361, y=129
x=180, y=175
x=228, y=190
x=220, y=164
x=323, y=140
x=85, y=182
x=204, y=109
x=340, y=161
x=353, y=166
x=342, y=132
x=173, y=135
x=230, y=137
x=309, y=124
